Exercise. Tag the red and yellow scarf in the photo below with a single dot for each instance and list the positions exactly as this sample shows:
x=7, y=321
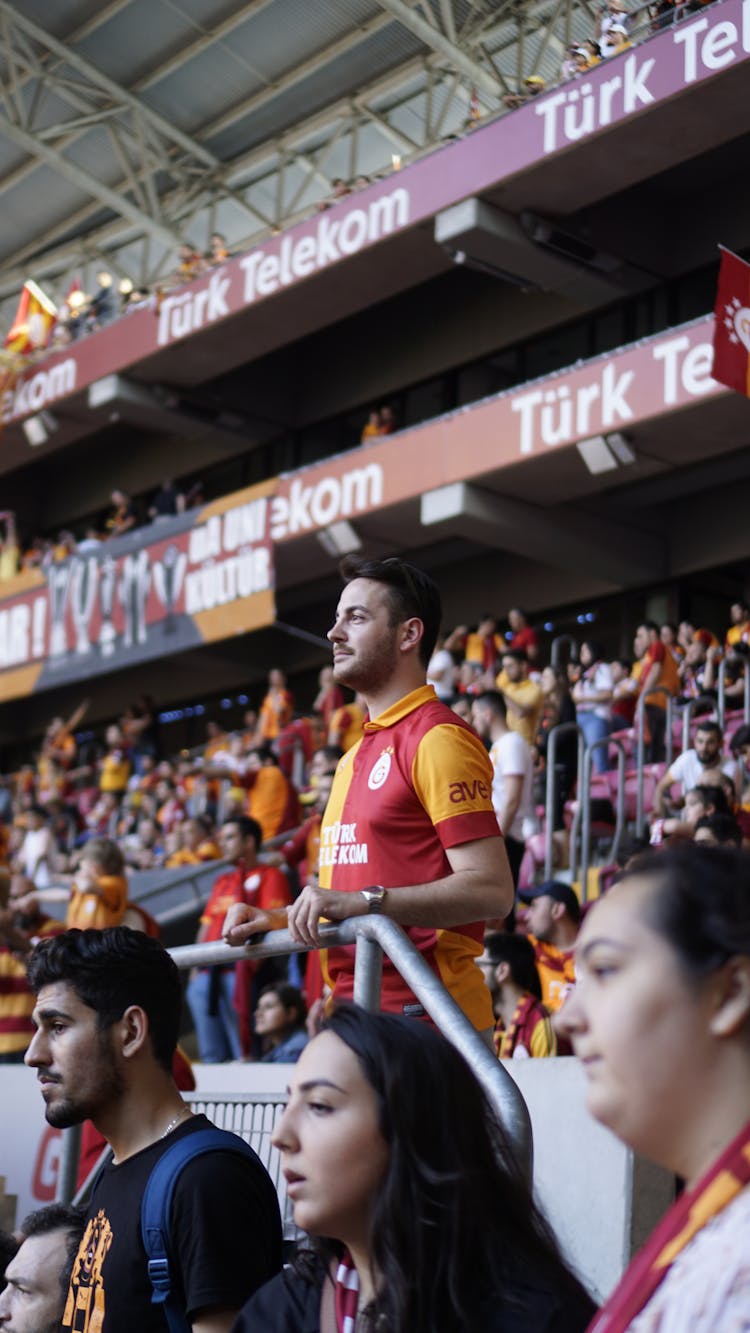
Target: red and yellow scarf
x=729, y=1174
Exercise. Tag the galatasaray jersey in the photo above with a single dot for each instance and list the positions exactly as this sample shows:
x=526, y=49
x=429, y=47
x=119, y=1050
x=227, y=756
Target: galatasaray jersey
x=418, y=783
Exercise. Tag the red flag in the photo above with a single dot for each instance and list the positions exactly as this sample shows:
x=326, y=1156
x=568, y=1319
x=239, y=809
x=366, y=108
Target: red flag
x=732, y=324
x=32, y=325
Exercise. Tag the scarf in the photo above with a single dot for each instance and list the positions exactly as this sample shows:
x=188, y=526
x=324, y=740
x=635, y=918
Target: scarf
x=346, y=1296
x=687, y=1216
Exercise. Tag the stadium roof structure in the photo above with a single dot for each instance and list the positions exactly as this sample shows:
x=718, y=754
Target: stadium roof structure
x=129, y=126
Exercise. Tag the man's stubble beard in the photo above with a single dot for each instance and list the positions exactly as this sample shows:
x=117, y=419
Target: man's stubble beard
x=111, y=1085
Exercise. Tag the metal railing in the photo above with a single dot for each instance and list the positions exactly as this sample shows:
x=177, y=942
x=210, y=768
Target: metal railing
x=722, y=693
x=585, y=803
x=556, y=646
x=690, y=709
x=372, y=936
x=640, y=722
x=562, y=729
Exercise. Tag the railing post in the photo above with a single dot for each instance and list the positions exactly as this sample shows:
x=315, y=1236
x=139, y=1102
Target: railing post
x=67, y=1175
x=562, y=728
x=368, y=974
x=721, y=706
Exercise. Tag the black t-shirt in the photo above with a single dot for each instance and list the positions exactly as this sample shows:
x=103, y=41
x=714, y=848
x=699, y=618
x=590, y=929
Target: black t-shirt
x=224, y=1231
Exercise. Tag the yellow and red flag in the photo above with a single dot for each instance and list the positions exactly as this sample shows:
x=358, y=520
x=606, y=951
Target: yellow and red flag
x=33, y=323
x=732, y=324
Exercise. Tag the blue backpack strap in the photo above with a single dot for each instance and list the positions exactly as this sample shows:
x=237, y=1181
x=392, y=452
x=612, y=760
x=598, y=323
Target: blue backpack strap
x=156, y=1207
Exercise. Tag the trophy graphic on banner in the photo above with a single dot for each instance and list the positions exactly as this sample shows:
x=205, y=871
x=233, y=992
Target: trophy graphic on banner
x=169, y=575
x=84, y=578
x=107, y=580
x=135, y=581
x=58, y=586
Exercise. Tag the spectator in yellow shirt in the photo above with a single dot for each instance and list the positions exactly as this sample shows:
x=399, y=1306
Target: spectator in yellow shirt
x=524, y=699
x=99, y=893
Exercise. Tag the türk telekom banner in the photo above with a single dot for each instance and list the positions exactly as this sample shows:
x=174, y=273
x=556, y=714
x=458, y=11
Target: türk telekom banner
x=609, y=393
x=202, y=576
x=619, y=89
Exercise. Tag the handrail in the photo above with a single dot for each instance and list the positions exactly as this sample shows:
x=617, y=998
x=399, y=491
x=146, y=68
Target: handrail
x=555, y=649
x=721, y=691
x=188, y=878
x=562, y=729
x=374, y=935
x=722, y=687
x=640, y=718
x=586, y=805
x=687, y=715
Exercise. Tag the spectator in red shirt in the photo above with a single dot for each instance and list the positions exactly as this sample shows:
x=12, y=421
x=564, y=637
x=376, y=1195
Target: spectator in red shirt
x=524, y=636
x=218, y=997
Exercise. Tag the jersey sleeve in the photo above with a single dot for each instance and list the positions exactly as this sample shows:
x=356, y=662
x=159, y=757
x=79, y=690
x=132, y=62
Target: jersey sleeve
x=452, y=777
x=225, y=1230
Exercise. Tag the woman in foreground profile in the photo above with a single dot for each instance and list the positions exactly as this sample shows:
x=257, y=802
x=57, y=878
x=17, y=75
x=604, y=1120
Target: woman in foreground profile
x=660, y=1018
x=398, y=1168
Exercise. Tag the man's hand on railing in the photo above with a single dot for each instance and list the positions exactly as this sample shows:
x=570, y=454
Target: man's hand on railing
x=302, y=919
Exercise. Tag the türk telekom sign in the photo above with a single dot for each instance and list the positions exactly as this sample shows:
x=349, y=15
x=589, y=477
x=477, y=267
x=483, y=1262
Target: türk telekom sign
x=620, y=88
x=609, y=393
x=160, y=590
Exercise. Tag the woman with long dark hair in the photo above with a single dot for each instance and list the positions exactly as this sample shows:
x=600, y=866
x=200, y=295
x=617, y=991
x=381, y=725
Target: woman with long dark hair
x=399, y=1169
x=660, y=1018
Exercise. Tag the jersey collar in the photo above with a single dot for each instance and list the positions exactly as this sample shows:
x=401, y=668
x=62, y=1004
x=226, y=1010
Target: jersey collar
x=424, y=695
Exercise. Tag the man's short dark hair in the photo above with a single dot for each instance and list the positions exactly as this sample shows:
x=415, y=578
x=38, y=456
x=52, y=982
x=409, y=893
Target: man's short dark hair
x=411, y=592
x=650, y=625
x=58, y=1217
x=517, y=654
x=724, y=828
x=494, y=701
x=518, y=952
x=248, y=827
x=111, y=969
x=265, y=753
x=710, y=726
x=711, y=796
x=741, y=737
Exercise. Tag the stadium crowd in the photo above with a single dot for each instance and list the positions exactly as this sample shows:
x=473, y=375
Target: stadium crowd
x=657, y=1011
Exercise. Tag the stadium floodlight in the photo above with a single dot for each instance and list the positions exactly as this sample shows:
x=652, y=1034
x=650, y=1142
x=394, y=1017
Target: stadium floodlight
x=597, y=455
x=339, y=539
x=39, y=428
x=621, y=448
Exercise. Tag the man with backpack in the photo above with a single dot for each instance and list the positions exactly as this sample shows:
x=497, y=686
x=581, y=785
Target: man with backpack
x=172, y=1240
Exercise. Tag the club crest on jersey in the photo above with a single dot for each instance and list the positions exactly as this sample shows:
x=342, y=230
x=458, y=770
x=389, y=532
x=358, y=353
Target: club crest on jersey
x=380, y=770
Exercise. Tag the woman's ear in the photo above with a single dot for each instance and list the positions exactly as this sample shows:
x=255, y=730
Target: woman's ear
x=732, y=1004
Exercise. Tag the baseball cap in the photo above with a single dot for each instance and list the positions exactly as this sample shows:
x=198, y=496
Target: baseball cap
x=555, y=889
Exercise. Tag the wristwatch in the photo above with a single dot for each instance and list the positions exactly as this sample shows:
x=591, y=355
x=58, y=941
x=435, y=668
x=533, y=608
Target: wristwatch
x=374, y=896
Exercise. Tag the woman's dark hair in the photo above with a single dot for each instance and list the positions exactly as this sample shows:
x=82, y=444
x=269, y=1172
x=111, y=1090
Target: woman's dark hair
x=454, y=1225
x=724, y=828
x=290, y=998
x=111, y=969
x=701, y=903
x=410, y=592
x=711, y=797
x=596, y=649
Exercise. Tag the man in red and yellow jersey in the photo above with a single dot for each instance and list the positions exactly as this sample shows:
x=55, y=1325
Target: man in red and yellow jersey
x=656, y=672
x=409, y=830
x=219, y=997
x=276, y=709
x=739, y=630
x=347, y=724
x=272, y=799
x=552, y=922
x=523, y=1027
x=20, y=928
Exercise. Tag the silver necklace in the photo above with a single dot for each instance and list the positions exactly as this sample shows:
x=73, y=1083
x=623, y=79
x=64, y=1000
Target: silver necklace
x=185, y=1111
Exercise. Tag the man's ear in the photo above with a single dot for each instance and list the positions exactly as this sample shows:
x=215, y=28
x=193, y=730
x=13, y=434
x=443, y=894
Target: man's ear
x=411, y=634
x=133, y=1031
x=502, y=973
x=732, y=997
